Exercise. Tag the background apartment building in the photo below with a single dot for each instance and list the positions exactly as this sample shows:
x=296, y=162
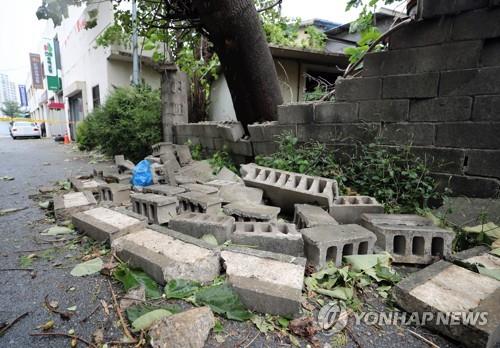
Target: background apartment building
x=8, y=91
x=85, y=74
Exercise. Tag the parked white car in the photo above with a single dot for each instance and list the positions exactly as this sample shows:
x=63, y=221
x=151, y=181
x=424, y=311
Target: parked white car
x=21, y=129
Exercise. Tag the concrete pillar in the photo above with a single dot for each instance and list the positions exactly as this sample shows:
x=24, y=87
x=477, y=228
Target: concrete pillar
x=174, y=99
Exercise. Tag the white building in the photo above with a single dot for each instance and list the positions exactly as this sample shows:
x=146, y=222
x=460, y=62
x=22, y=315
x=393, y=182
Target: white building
x=8, y=91
x=88, y=73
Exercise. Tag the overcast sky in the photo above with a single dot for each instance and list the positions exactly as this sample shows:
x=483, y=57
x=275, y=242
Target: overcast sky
x=20, y=31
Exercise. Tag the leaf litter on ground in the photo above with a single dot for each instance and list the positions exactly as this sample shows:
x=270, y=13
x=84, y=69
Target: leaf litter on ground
x=57, y=231
x=132, y=278
x=87, y=268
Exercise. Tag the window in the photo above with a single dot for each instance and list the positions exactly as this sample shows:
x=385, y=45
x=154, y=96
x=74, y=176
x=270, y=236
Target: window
x=96, y=97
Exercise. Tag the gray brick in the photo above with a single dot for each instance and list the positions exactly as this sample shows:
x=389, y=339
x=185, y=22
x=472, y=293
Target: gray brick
x=197, y=225
x=441, y=160
x=306, y=215
x=435, y=8
x=348, y=209
x=295, y=113
x=483, y=163
x=115, y=193
x=468, y=135
x=262, y=132
x=470, y=82
x=329, y=133
x=264, y=148
x=406, y=134
x=242, y=147
x=411, y=86
x=358, y=88
x=490, y=55
x=384, y=110
x=494, y=3
x=441, y=109
x=335, y=112
x=423, y=33
x=244, y=211
x=159, y=209
x=390, y=63
x=486, y=108
x=198, y=202
x=480, y=24
x=71, y=203
x=469, y=186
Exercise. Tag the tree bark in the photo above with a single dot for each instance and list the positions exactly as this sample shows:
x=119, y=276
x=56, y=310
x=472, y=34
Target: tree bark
x=236, y=32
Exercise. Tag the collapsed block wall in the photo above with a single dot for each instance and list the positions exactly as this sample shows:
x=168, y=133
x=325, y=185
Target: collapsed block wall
x=436, y=88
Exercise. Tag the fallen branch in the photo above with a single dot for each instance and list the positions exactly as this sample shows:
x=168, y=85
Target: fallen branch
x=17, y=269
x=90, y=314
x=4, y=329
x=430, y=343
x=120, y=314
x=62, y=334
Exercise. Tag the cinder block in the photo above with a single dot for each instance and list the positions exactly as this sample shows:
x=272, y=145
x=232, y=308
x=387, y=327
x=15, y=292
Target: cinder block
x=114, y=193
x=158, y=209
x=265, y=148
x=183, y=154
x=196, y=202
x=481, y=24
x=235, y=193
x=165, y=190
x=241, y=147
x=197, y=225
x=205, y=189
x=425, y=33
x=444, y=288
x=269, y=131
x=435, y=8
x=165, y=255
x=82, y=184
x=335, y=112
x=441, y=109
x=199, y=171
x=276, y=238
x=266, y=282
x=385, y=63
x=490, y=55
x=408, y=134
x=470, y=82
x=252, y=212
x=468, y=186
x=339, y=133
x=409, y=238
x=219, y=183
x=327, y=243
x=441, y=160
x=307, y=215
x=348, y=209
x=71, y=203
x=231, y=131
x=486, y=108
x=295, y=113
x=169, y=159
x=468, y=135
x=226, y=174
x=284, y=189
x=411, y=86
x=483, y=163
x=105, y=225
x=365, y=88
x=124, y=166
x=161, y=148
x=384, y=110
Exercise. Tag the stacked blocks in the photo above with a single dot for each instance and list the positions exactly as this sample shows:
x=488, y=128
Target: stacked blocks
x=197, y=225
x=165, y=190
x=348, y=209
x=195, y=202
x=251, y=212
x=73, y=202
x=310, y=216
x=114, y=193
x=158, y=209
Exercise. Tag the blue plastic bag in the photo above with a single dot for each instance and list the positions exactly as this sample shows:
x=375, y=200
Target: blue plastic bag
x=141, y=175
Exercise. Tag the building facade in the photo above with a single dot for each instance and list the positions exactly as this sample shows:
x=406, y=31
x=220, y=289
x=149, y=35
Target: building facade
x=8, y=91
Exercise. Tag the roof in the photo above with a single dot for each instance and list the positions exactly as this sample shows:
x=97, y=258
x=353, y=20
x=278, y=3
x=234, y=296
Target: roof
x=321, y=24
x=310, y=56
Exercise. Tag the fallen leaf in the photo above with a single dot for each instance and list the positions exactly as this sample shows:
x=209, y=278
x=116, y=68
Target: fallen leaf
x=210, y=239
x=44, y=205
x=222, y=299
x=7, y=178
x=47, y=326
x=11, y=210
x=496, y=244
x=145, y=321
x=303, y=327
x=54, y=304
x=98, y=337
x=132, y=297
x=71, y=331
x=56, y=231
x=104, y=305
x=490, y=229
x=181, y=288
x=87, y=268
x=495, y=252
x=490, y=272
x=71, y=309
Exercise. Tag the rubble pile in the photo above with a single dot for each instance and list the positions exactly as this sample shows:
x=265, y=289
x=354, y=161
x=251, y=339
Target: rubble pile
x=261, y=230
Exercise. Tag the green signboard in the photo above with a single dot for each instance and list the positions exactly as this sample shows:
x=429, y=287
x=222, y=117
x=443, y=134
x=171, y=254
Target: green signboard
x=53, y=80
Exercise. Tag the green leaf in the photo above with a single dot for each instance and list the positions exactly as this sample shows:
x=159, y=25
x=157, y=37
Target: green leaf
x=56, y=231
x=262, y=324
x=145, y=321
x=283, y=322
x=181, y=288
x=341, y=293
x=495, y=252
x=218, y=327
x=136, y=311
x=134, y=278
x=490, y=229
x=223, y=300
x=363, y=262
x=44, y=205
x=87, y=268
x=490, y=272
x=210, y=239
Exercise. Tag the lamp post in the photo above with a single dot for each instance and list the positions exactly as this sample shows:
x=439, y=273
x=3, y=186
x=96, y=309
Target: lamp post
x=135, y=50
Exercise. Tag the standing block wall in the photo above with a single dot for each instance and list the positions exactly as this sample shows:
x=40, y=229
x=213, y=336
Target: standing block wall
x=437, y=88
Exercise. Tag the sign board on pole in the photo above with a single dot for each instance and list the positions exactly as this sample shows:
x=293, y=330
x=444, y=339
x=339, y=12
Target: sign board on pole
x=53, y=83
x=36, y=71
x=22, y=95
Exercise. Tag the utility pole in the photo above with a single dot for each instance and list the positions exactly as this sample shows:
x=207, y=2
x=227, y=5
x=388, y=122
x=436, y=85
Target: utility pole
x=135, y=48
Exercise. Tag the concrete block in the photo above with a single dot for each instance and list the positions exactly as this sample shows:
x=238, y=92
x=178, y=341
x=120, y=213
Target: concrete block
x=105, y=225
x=253, y=212
x=409, y=238
x=269, y=131
x=436, y=8
x=443, y=288
x=89, y=184
x=264, y=148
x=284, y=189
x=266, y=282
x=164, y=257
x=348, y=209
x=231, y=131
x=441, y=160
x=114, y=193
x=226, y=174
x=158, y=209
x=411, y=86
x=295, y=113
x=483, y=163
x=470, y=82
x=205, y=189
x=307, y=215
x=196, y=202
x=468, y=186
x=123, y=179
x=183, y=154
x=335, y=112
x=486, y=108
x=384, y=110
x=339, y=133
x=425, y=33
x=197, y=225
x=235, y=193
x=241, y=147
x=468, y=135
x=124, y=166
x=218, y=183
x=170, y=160
x=481, y=24
x=71, y=203
x=441, y=109
x=358, y=88
x=168, y=173
x=490, y=55
x=199, y=171
x=408, y=134
x=327, y=243
x=162, y=148
x=274, y=237
x=165, y=190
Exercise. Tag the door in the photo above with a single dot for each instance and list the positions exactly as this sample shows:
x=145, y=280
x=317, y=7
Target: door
x=75, y=113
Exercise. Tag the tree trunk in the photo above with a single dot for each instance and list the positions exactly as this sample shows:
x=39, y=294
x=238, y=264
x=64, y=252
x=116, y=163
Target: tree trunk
x=236, y=32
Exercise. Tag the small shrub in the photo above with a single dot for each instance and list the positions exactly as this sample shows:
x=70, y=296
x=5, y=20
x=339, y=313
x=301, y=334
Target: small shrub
x=222, y=159
x=128, y=123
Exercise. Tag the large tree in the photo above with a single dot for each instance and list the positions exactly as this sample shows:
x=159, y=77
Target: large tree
x=10, y=108
x=235, y=30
